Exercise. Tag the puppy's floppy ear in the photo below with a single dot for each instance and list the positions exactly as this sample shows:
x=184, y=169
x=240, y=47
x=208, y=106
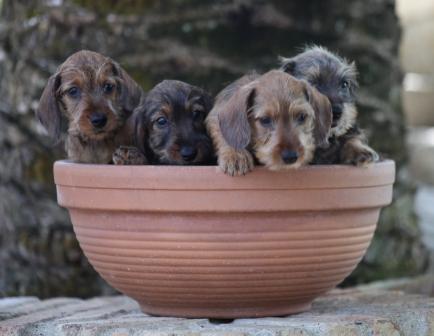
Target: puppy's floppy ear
x=131, y=92
x=48, y=111
x=233, y=117
x=353, y=67
x=323, y=115
x=352, y=76
x=287, y=65
x=140, y=133
x=205, y=98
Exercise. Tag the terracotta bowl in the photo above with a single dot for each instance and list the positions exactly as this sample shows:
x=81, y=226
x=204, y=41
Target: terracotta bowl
x=192, y=242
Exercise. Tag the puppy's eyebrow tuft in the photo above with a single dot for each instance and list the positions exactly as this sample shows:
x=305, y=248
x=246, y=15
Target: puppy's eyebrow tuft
x=197, y=100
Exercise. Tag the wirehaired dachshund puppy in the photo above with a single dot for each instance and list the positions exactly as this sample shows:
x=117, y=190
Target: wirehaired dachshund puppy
x=90, y=98
x=170, y=125
x=334, y=77
x=274, y=119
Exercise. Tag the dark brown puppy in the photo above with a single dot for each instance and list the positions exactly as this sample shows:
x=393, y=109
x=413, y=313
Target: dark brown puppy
x=170, y=127
x=89, y=98
x=274, y=118
x=336, y=78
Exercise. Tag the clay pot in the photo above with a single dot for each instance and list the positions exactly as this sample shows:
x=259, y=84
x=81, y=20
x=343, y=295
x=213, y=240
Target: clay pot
x=192, y=242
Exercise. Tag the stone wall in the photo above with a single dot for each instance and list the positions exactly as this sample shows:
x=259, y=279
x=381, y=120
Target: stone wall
x=207, y=43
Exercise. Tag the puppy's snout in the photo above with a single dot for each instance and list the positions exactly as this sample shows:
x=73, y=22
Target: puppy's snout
x=98, y=120
x=188, y=153
x=289, y=156
x=337, y=112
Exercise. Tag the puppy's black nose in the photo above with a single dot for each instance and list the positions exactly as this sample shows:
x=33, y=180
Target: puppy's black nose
x=98, y=120
x=337, y=112
x=188, y=153
x=289, y=156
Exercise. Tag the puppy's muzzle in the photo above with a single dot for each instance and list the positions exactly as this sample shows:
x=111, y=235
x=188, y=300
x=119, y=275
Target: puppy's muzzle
x=98, y=120
x=337, y=114
x=188, y=153
x=289, y=156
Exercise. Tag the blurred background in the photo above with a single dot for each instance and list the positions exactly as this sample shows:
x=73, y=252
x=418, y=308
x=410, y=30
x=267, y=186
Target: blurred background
x=210, y=43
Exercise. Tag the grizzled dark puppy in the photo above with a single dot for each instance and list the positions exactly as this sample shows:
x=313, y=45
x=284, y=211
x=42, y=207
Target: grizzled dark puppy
x=170, y=127
x=90, y=98
x=334, y=77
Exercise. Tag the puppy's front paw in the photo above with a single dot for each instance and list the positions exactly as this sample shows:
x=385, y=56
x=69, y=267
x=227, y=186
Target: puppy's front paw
x=125, y=155
x=234, y=162
x=361, y=156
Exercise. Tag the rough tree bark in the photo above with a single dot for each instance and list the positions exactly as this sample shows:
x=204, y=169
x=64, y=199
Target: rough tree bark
x=207, y=43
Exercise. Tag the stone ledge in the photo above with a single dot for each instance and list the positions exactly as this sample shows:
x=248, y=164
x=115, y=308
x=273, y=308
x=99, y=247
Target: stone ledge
x=341, y=313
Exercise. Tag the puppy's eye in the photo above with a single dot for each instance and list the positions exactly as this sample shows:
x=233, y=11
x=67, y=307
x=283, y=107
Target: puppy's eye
x=266, y=121
x=300, y=118
x=162, y=122
x=73, y=92
x=197, y=115
x=108, y=88
x=345, y=84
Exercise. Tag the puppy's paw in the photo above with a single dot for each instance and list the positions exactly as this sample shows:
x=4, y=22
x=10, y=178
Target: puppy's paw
x=235, y=163
x=125, y=155
x=361, y=156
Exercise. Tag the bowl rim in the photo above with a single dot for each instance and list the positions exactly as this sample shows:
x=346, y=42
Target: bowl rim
x=101, y=176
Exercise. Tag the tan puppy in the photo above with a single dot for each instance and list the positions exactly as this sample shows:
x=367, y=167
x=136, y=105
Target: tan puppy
x=274, y=118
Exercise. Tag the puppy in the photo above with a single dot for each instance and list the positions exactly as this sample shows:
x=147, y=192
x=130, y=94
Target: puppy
x=170, y=125
x=334, y=77
x=129, y=155
x=89, y=98
x=274, y=118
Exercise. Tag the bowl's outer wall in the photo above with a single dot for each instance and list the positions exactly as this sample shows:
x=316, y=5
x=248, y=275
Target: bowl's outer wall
x=190, y=241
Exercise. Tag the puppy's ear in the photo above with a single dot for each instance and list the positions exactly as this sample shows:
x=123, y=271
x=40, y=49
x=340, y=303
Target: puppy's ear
x=323, y=115
x=131, y=92
x=205, y=98
x=352, y=74
x=233, y=117
x=48, y=111
x=140, y=133
x=288, y=65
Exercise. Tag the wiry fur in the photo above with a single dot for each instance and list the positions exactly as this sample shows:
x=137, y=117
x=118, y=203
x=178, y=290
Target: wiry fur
x=183, y=139
x=88, y=74
x=259, y=118
x=336, y=78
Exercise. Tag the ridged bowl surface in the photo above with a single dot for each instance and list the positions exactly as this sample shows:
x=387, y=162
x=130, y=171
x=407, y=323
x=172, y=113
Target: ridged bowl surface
x=192, y=242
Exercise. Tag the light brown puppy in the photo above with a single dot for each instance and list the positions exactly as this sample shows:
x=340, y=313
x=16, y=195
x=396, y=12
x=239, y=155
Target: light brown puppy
x=274, y=118
x=90, y=99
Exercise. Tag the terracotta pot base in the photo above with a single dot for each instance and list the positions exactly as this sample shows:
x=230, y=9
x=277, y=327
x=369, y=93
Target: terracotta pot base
x=228, y=312
x=193, y=242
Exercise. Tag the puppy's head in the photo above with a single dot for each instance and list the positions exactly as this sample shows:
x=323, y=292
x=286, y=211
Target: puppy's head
x=334, y=77
x=281, y=118
x=92, y=93
x=170, y=127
